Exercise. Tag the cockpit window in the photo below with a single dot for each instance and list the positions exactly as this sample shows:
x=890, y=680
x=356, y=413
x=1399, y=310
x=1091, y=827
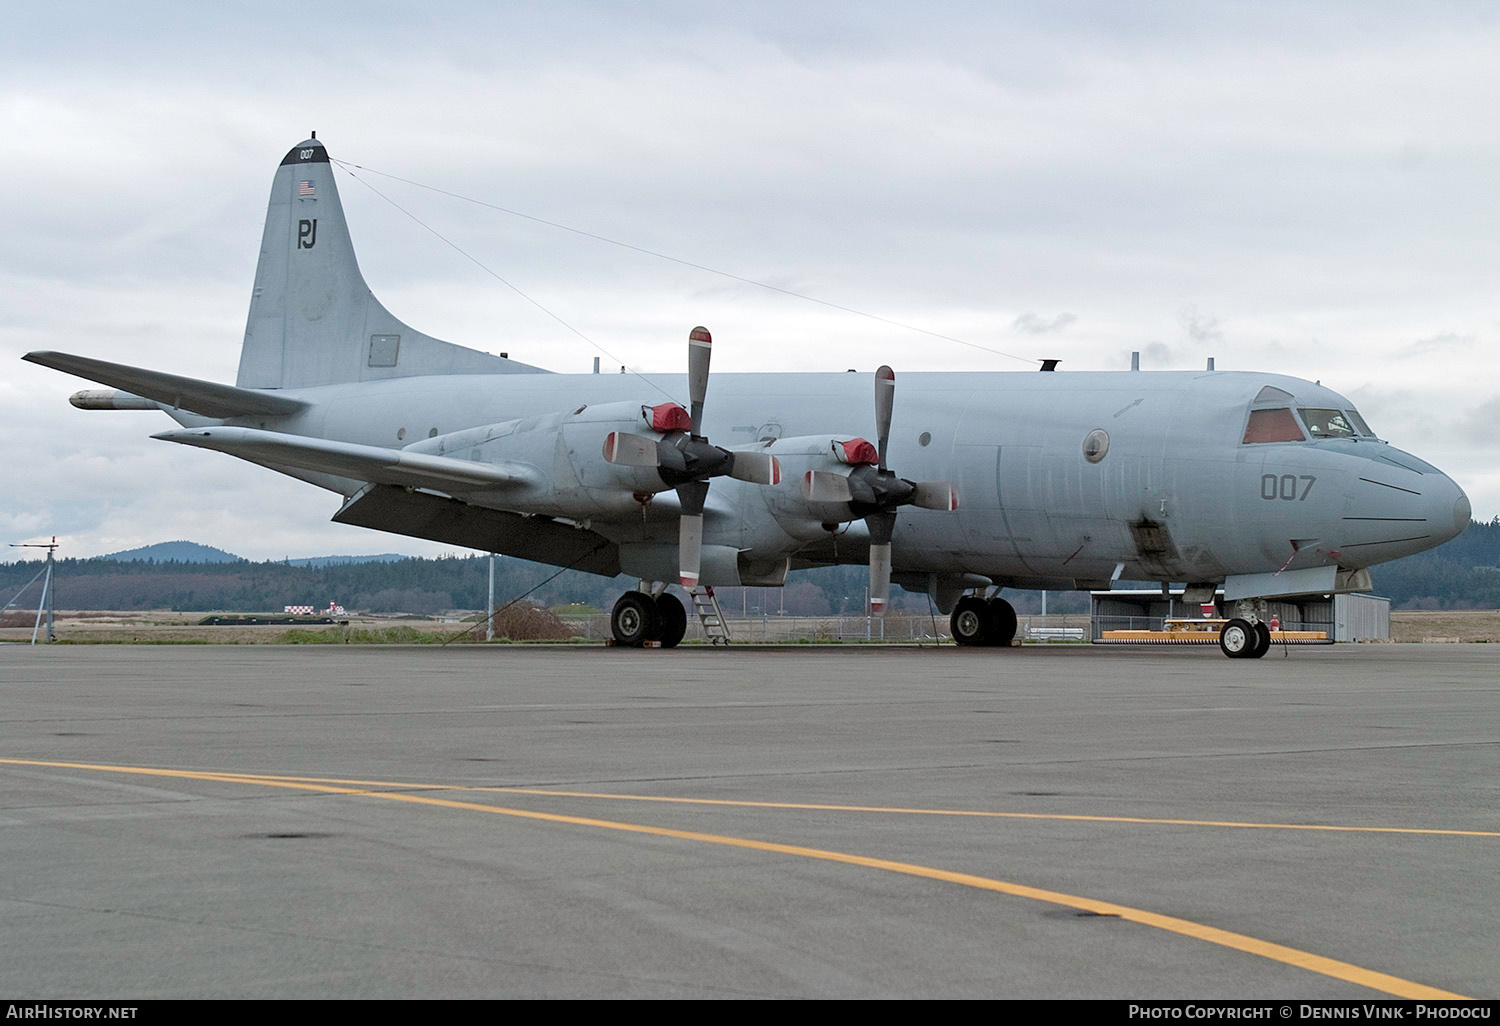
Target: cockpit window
x=1327, y=423
x=1359, y=423
x=1273, y=426
x=1272, y=394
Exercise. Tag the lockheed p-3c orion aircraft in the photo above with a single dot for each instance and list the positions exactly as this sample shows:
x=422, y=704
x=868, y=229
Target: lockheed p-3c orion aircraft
x=1262, y=484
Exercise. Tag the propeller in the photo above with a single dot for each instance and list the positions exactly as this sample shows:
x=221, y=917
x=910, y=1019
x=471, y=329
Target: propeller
x=686, y=459
x=874, y=492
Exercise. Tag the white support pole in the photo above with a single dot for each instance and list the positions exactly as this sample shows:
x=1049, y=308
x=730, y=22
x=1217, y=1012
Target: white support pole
x=42, y=605
x=489, y=610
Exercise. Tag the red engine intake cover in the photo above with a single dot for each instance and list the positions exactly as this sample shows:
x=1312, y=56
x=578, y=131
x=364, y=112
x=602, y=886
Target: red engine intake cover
x=668, y=417
x=855, y=452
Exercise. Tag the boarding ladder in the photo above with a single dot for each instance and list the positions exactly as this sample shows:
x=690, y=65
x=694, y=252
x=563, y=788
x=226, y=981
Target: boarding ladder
x=710, y=616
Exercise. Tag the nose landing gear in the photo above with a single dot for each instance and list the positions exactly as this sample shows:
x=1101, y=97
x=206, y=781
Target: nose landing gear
x=1246, y=636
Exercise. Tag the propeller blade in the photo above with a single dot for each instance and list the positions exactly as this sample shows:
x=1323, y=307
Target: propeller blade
x=885, y=401
x=935, y=495
x=882, y=526
x=756, y=467
x=880, y=578
x=689, y=550
x=821, y=486
x=692, y=495
x=700, y=347
x=627, y=450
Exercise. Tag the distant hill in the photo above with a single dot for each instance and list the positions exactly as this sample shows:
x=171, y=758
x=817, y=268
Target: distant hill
x=192, y=552
x=176, y=551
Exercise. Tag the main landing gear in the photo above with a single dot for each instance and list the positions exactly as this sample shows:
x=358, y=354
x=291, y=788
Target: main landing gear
x=979, y=621
x=639, y=617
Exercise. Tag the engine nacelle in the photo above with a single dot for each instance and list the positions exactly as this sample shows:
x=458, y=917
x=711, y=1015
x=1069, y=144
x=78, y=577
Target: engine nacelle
x=797, y=513
x=563, y=454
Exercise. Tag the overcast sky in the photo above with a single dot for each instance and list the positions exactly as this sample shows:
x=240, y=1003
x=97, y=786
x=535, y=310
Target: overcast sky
x=1304, y=188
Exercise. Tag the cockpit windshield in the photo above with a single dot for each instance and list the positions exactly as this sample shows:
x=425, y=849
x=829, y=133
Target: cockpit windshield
x=1280, y=425
x=1333, y=423
x=1273, y=426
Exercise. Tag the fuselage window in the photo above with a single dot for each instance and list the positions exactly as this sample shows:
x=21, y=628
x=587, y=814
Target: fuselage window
x=1272, y=426
x=1327, y=423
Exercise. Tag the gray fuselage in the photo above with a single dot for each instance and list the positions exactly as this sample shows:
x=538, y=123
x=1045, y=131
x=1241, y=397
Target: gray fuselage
x=1177, y=495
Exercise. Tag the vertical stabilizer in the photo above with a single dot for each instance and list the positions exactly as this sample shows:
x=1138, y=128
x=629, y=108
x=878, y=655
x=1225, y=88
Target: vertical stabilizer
x=313, y=320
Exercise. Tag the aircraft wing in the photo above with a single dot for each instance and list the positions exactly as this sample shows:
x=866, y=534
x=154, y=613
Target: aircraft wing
x=421, y=514
x=208, y=398
x=346, y=459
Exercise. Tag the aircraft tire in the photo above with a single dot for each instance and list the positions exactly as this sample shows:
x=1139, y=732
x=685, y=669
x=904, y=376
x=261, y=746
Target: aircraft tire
x=1263, y=641
x=671, y=617
x=634, y=620
x=1238, y=639
x=972, y=622
x=1002, y=621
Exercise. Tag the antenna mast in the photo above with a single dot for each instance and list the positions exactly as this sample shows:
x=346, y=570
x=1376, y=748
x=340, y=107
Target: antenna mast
x=46, y=600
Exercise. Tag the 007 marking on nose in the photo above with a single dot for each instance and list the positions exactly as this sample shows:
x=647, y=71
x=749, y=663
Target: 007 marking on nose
x=1284, y=486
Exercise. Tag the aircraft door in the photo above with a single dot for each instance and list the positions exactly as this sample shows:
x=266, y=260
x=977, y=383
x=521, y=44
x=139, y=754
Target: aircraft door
x=979, y=510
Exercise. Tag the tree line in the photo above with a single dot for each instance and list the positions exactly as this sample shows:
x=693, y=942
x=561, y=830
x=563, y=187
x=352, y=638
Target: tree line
x=1462, y=574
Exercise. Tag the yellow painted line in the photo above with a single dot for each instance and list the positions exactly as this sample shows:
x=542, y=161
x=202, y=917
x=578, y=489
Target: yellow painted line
x=994, y=815
x=1383, y=982
x=891, y=809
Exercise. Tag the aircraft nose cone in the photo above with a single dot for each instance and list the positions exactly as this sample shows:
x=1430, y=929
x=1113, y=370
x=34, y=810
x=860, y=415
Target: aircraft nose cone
x=1450, y=498
x=1401, y=505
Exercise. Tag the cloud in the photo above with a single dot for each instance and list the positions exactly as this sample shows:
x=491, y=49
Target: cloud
x=1260, y=159
x=1478, y=424
x=1033, y=324
x=1157, y=356
x=1201, y=328
x=1444, y=342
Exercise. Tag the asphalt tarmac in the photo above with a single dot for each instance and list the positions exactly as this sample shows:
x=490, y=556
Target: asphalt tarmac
x=257, y=821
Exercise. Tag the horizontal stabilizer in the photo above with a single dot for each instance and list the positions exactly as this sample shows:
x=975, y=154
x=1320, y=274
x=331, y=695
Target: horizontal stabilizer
x=346, y=459
x=208, y=398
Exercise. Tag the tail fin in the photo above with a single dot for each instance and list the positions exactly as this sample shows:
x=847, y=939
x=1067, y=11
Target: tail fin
x=313, y=320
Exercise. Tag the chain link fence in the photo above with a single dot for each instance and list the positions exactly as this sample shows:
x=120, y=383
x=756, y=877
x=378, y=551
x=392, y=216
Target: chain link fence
x=893, y=628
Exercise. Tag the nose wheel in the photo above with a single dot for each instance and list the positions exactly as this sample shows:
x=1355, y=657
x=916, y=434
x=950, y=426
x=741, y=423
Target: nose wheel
x=1241, y=639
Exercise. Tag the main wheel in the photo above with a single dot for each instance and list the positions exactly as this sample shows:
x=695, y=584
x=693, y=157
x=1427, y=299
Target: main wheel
x=973, y=622
x=1262, y=640
x=671, y=620
x=633, y=621
x=1239, y=639
x=1003, y=617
